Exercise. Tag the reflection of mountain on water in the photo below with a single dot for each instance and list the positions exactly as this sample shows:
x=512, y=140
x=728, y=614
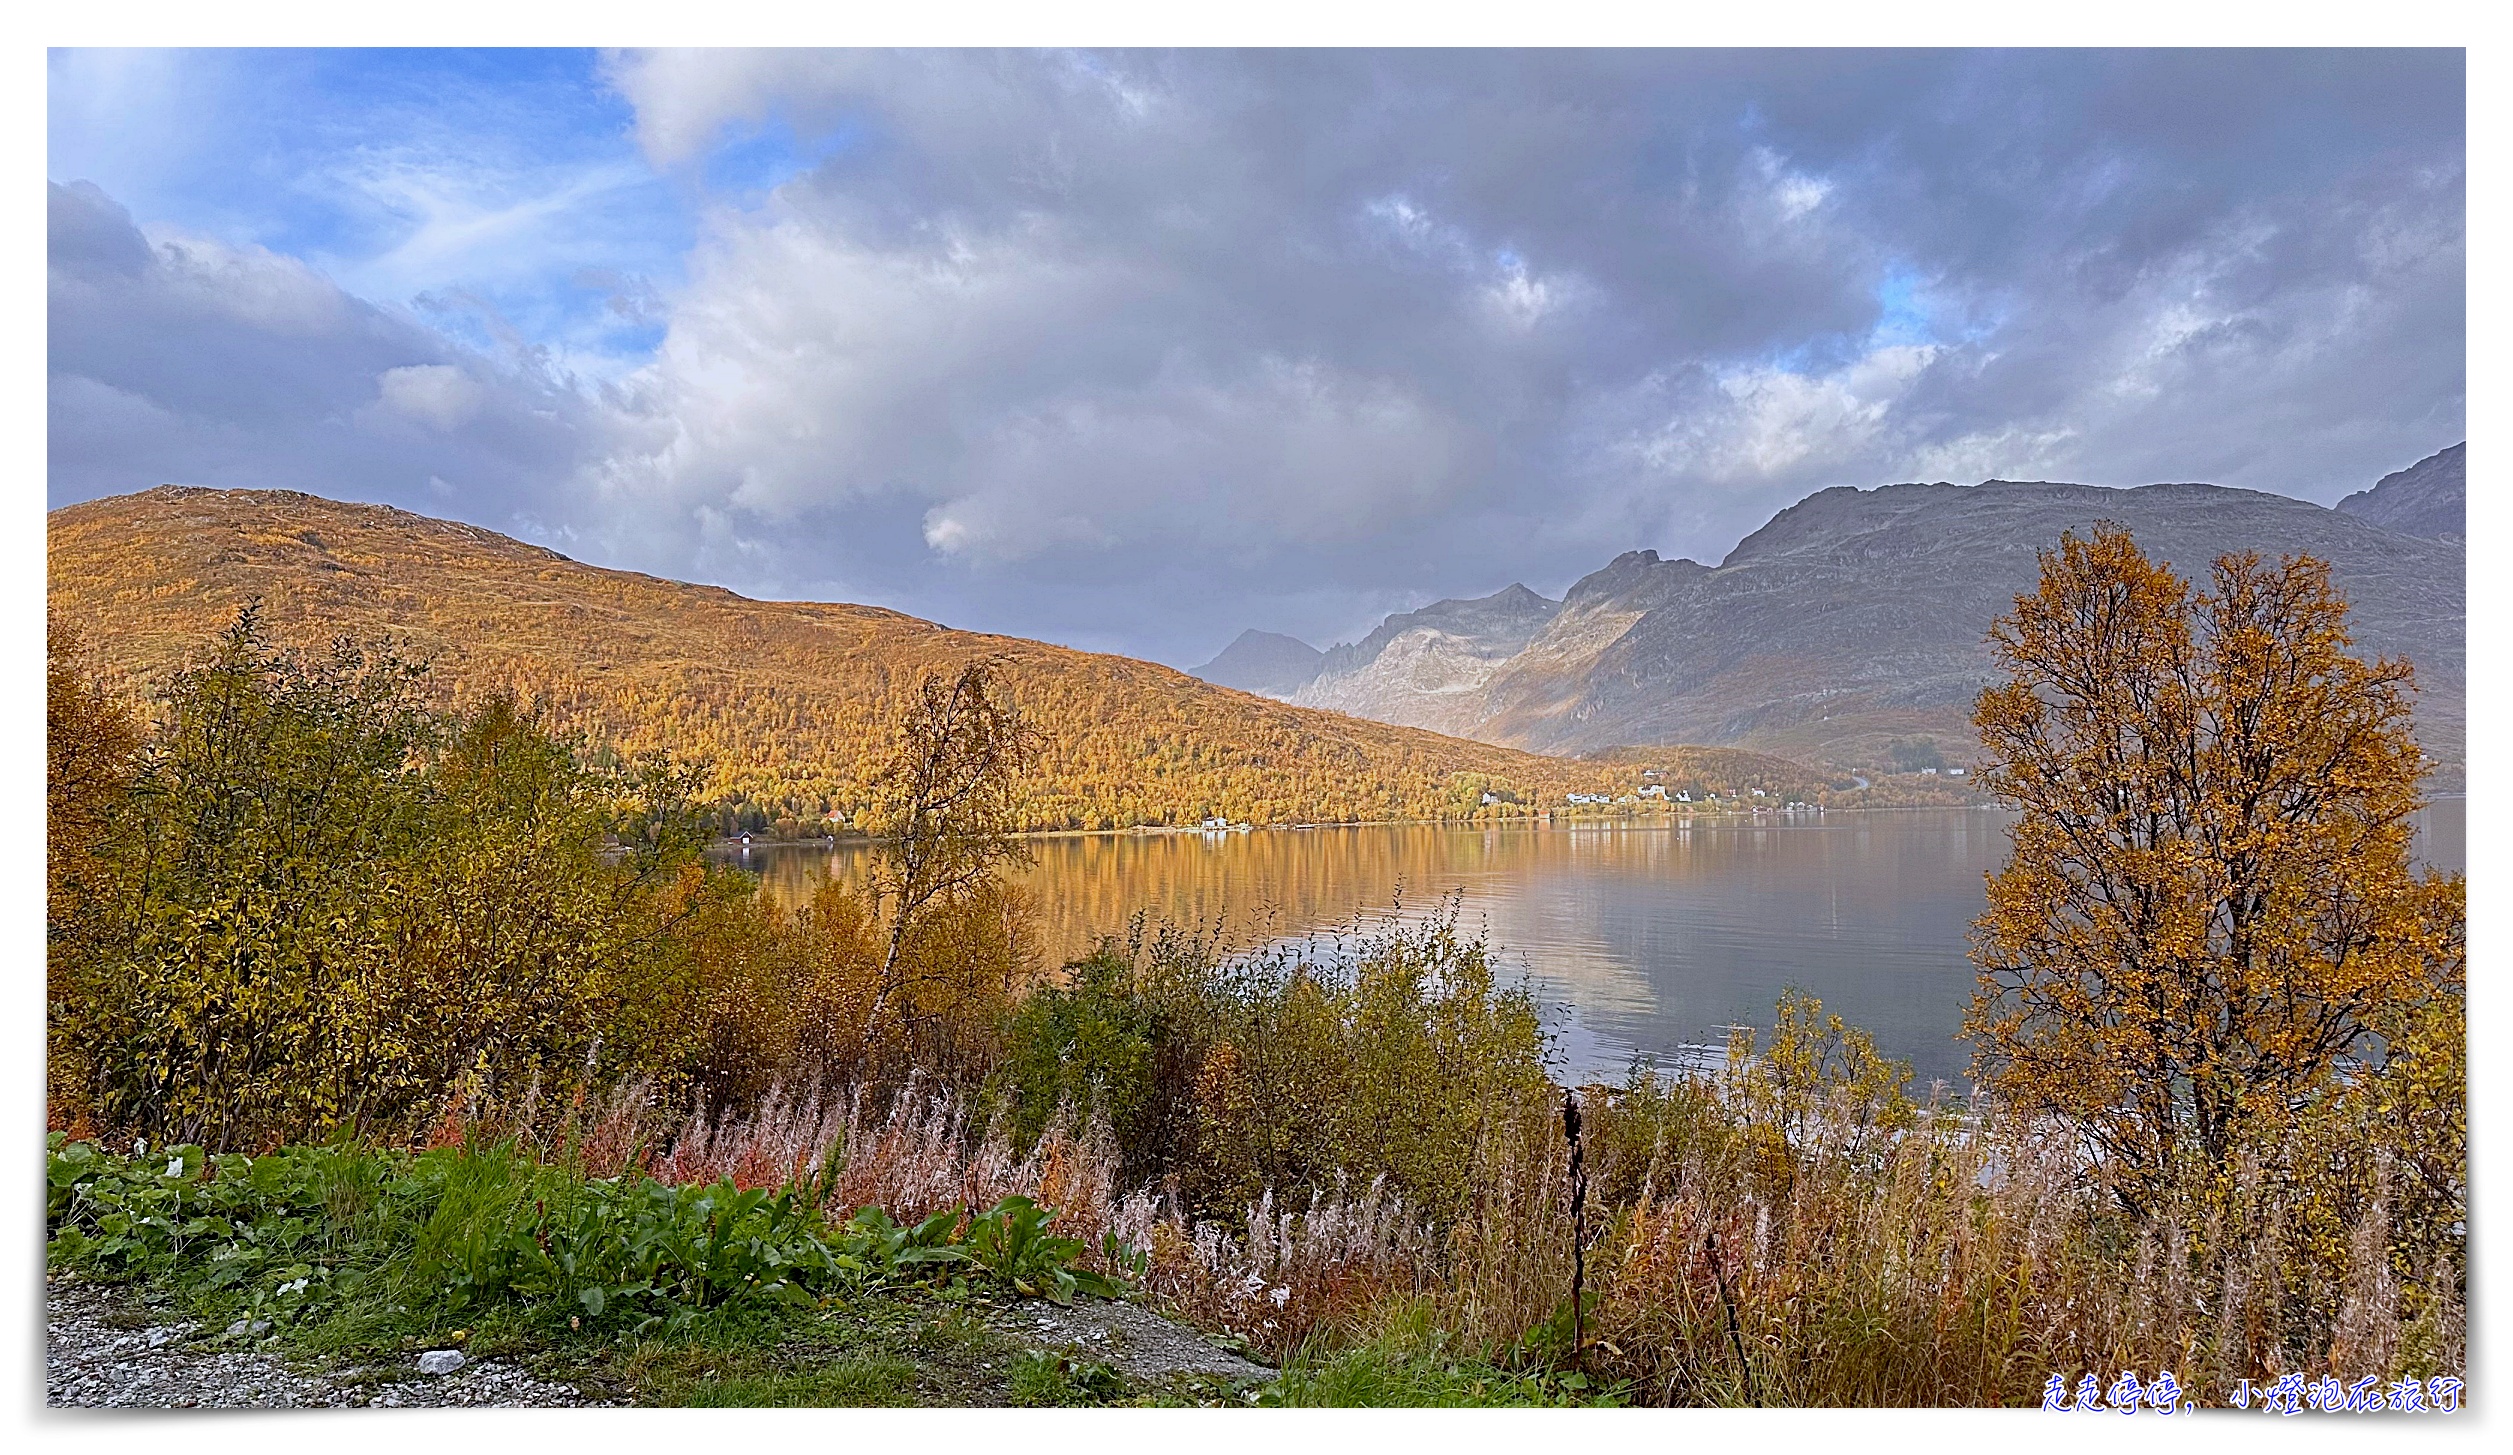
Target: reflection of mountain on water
x=1654, y=936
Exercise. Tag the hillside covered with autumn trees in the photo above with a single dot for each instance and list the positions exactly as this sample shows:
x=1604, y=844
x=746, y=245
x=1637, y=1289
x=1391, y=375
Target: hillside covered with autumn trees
x=788, y=701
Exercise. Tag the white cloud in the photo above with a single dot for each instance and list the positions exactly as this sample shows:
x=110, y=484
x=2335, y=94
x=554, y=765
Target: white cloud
x=1792, y=193
x=974, y=369
x=438, y=395
x=1522, y=298
x=1416, y=229
x=484, y=224
x=1288, y=453
x=1799, y=196
x=1758, y=425
x=685, y=98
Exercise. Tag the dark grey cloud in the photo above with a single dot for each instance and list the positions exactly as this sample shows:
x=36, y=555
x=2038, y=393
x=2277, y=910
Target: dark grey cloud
x=188, y=360
x=1135, y=350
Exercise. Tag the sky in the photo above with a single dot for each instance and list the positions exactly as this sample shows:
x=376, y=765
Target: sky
x=1132, y=350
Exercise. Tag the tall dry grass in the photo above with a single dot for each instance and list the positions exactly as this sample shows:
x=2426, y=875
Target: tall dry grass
x=1791, y=1230
x=1281, y=1279
x=1278, y=1277
x=1967, y=1258
x=911, y=1152
x=1788, y=1229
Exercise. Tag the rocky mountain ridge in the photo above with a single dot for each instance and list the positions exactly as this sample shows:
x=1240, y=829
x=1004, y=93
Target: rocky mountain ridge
x=2426, y=499
x=1421, y=662
x=1855, y=619
x=1263, y=662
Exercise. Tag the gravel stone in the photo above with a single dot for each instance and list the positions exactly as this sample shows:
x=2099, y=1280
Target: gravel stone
x=89, y=1363
x=440, y=1361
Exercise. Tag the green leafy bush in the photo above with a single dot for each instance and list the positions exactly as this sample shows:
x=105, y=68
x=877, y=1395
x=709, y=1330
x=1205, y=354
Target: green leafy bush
x=1101, y=1044
x=1010, y=1240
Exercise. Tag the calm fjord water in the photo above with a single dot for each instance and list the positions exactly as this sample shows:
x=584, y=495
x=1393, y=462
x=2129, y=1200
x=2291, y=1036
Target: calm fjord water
x=1648, y=938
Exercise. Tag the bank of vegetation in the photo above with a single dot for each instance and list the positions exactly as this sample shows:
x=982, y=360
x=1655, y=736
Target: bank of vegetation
x=788, y=703
x=478, y=1040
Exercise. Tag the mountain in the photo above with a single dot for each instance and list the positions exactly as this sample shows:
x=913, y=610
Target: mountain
x=2423, y=500
x=1429, y=666
x=1267, y=663
x=791, y=701
x=1849, y=629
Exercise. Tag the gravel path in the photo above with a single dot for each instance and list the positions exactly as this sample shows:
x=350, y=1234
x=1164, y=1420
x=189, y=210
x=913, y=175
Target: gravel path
x=1134, y=1340
x=104, y=1351
x=107, y=1350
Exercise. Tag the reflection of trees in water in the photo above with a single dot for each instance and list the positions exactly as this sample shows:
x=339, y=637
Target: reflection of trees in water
x=1658, y=934
x=1256, y=886
x=1535, y=885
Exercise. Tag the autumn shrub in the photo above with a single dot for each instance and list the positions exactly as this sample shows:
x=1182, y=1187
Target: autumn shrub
x=91, y=743
x=776, y=990
x=778, y=993
x=965, y=963
x=1093, y=1039
x=535, y=924
x=1329, y=1124
x=1392, y=1051
x=323, y=905
x=242, y=929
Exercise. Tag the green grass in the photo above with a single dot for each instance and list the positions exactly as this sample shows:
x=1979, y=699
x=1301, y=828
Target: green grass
x=891, y=1347
x=1409, y=1362
x=850, y=1382
x=1047, y=1377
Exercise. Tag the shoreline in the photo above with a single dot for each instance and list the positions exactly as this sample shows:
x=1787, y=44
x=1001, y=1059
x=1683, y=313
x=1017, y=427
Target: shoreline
x=1659, y=820
x=1557, y=821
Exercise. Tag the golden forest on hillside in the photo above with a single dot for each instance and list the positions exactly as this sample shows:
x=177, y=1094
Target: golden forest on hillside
x=787, y=701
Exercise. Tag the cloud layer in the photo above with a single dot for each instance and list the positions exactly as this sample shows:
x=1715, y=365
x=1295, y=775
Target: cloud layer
x=1134, y=350
x=184, y=359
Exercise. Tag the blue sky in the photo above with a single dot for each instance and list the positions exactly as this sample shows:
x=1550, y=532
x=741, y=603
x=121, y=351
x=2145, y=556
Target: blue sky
x=1134, y=349
x=482, y=190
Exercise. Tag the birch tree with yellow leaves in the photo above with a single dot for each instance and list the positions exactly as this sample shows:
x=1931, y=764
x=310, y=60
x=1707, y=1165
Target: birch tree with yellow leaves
x=2210, y=917
x=949, y=812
